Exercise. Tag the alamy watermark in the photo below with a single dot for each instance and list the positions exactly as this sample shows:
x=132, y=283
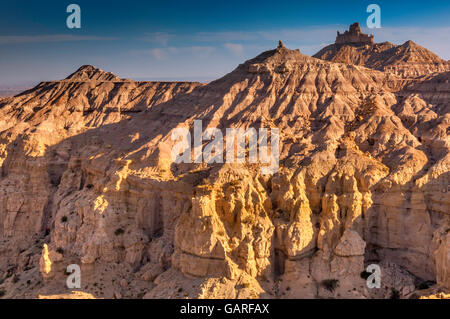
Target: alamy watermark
x=234, y=148
x=74, y=19
x=374, y=20
x=73, y=281
x=374, y=280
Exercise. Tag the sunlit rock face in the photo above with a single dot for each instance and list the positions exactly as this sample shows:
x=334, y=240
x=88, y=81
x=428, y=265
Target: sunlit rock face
x=354, y=36
x=409, y=60
x=363, y=179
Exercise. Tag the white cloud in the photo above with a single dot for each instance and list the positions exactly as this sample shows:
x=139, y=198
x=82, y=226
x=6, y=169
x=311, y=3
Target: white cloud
x=308, y=38
x=15, y=39
x=161, y=38
x=235, y=48
x=158, y=54
x=313, y=38
x=198, y=50
x=164, y=53
x=226, y=36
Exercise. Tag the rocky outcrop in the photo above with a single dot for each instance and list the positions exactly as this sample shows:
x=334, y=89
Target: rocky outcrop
x=91, y=73
x=354, y=36
x=441, y=256
x=408, y=60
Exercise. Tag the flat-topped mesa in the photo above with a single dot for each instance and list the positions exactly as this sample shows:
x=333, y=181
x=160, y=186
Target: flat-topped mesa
x=354, y=36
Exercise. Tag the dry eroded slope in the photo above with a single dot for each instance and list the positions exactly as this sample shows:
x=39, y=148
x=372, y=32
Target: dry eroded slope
x=363, y=178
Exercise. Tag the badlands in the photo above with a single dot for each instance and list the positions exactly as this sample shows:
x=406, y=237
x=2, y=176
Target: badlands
x=87, y=178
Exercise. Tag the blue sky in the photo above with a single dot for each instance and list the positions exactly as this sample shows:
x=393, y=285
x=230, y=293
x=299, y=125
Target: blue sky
x=192, y=40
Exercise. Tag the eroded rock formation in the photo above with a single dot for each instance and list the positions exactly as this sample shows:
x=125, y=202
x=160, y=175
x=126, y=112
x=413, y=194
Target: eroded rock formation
x=408, y=60
x=364, y=173
x=354, y=36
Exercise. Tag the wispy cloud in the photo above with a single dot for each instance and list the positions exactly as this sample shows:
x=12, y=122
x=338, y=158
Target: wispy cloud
x=225, y=36
x=161, y=38
x=234, y=48
x=237, y=42
x=158, y=54
x=166, y=52
x=15, y=39
x=310, y=39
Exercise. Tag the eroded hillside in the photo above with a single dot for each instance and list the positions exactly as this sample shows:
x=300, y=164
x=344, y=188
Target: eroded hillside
x=363, y=179
x=408, y=60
